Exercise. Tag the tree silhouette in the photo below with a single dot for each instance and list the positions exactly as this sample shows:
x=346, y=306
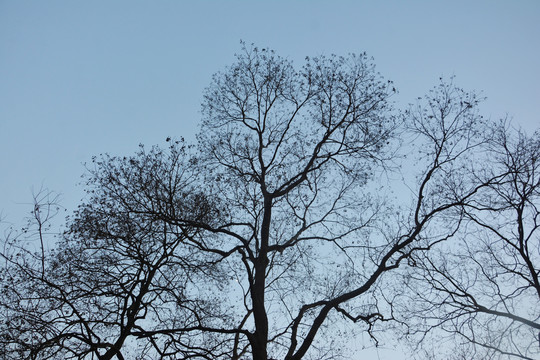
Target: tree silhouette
x=484, y=287
x=264, y=237
x=116, y=270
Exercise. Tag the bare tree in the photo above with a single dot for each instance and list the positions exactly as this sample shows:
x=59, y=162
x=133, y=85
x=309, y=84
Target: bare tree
x=291, y=151
x=116, y=270
x=295, y=155
x=483, y=289
x=260, y=243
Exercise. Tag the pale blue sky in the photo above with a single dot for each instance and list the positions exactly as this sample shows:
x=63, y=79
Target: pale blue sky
x=78, y=78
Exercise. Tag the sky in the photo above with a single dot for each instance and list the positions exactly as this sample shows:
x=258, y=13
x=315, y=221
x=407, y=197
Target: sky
x=80, y=78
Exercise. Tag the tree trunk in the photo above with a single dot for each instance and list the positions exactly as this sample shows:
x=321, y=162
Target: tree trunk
x=259, y=343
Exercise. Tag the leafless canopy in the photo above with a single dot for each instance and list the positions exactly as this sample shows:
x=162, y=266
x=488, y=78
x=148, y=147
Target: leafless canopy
x=484, y=285
x=263, y=238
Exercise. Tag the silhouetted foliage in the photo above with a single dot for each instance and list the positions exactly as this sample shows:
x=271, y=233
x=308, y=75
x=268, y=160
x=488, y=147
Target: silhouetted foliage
x=118, y=269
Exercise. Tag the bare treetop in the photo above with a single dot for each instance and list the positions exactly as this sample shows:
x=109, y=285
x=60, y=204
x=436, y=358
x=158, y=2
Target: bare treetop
x=274, y=237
